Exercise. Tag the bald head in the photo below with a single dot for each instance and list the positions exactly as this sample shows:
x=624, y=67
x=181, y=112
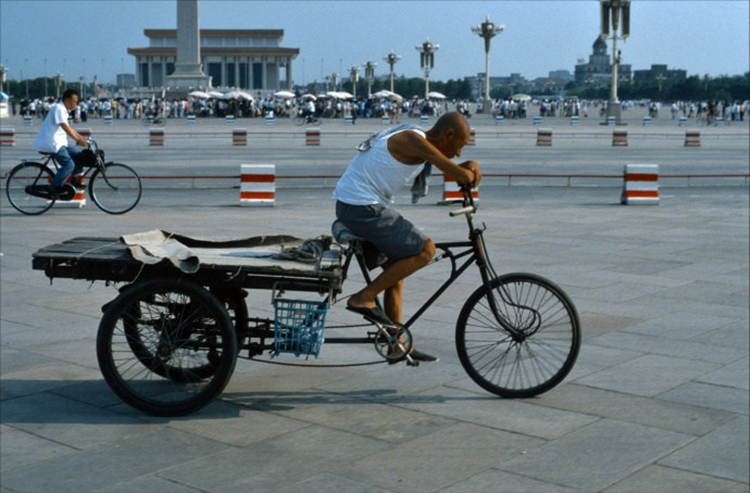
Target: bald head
x=450, y=134
x=452, y=120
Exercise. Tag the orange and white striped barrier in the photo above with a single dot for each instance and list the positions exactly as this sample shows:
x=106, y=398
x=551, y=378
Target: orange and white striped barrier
x=452, y=191
x=619, y=138
x=472, y=138
x=156, y=137
x=79, y=200
x=641, y=184
x=7, y=137
x=544, y=137
x=258, y=184
x=692, y=138
x=312, y=137
x=239, y=137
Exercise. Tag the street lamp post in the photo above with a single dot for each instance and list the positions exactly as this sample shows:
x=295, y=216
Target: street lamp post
x=26, y=67
x=369, y=75
x=392, y=58
x=487, y=30
x=335, y=81
x=614, y=9
x=58, y=79
x=354, y=77
x=427, y=62
x=660, y=80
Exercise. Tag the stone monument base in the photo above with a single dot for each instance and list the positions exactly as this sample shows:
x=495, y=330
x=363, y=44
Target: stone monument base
x=615, y=109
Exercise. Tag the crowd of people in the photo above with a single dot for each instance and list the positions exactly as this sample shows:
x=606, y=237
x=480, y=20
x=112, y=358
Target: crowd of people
x=704, y=112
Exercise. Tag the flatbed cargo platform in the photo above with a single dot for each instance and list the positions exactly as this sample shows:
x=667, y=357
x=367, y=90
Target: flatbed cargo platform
x=109, y=259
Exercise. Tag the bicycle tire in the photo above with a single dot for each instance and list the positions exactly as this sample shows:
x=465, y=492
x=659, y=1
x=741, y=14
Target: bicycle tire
x=180, y=328
x=116, y=193
x=19, y=178
x=542, y=312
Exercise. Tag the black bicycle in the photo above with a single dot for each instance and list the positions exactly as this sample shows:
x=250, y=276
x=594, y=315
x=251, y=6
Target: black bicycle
x=309, y=119
x=115, y=188
x=168, y=343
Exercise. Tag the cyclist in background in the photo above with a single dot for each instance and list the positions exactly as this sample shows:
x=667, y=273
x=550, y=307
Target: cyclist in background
x=53, y=138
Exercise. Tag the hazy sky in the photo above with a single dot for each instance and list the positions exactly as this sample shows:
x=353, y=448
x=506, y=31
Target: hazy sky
x=92, y=37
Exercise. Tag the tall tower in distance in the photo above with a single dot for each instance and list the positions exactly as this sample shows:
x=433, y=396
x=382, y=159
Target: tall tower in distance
x=188, y=73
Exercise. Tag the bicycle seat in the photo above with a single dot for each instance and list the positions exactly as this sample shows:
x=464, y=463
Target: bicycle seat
x=46, y=153
x=342, y=234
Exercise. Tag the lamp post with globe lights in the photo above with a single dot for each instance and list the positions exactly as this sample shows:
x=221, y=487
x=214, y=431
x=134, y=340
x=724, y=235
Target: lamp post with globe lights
x=427, y=62
x=615, y=11
x=354, y=77
x=392, y=58
x=369, y=75
x=487, y=30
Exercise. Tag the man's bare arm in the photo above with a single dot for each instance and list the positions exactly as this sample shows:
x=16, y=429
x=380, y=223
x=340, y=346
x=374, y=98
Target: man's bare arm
x=411, y=148
x=73, y=134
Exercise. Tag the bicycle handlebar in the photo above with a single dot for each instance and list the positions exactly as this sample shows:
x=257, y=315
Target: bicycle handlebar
x=468, y=205
x=464, y=210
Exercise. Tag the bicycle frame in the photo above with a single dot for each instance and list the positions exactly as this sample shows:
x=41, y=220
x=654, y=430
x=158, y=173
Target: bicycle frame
x=476, y=251
x=87, y=169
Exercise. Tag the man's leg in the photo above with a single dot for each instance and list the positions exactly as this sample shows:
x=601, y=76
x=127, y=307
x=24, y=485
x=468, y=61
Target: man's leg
x=391, y=279
x=67, y=165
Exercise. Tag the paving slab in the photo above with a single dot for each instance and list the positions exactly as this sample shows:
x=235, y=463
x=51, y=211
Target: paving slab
x=634, y=376
x=519, y=416
x=735, y=374
x=329, y=482
x=19, y=448
x=711, y=396
x=388, y=423
x=725, y=452
x=494, y=480
x=669, y=479
x=277, y=463
x=440, y=459
x=698, y=351
x=610, y=449
x=148, y=484
x=674, y=416
x=72, y=423
x=101, y=467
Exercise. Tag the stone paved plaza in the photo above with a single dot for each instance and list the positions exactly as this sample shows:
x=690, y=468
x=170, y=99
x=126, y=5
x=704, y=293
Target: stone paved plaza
x=657, y=401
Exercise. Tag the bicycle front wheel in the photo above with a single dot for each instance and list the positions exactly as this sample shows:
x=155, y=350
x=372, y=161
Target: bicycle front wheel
x=116, y=188
x=299, y=120
x=166, y=347
x=543, y=352
x=23, y=176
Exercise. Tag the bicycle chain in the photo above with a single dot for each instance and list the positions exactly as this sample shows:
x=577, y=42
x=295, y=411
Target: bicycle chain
x=317, y=366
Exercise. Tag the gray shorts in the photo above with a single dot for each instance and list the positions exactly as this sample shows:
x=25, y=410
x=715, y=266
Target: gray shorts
x=384, y=228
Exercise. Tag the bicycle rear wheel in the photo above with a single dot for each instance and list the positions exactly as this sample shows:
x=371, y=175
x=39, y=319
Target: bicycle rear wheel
x=524, y=366
x=166, y=347
x=116, y=188
x=22, y=176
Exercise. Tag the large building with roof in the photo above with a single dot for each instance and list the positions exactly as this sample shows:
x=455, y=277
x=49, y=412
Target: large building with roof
x=598, y=71
x=248, y=59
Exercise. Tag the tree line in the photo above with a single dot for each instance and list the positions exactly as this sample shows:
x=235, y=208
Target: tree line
x=693, y=88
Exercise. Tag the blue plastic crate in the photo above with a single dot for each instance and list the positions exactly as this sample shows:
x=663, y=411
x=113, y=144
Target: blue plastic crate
x=298, y=327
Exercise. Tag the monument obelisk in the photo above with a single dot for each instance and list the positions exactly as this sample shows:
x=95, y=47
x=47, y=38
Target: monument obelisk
x=187, y=71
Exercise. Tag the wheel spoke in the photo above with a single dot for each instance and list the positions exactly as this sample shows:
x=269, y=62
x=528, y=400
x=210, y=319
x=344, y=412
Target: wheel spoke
x=166, y=350
x=530, y=362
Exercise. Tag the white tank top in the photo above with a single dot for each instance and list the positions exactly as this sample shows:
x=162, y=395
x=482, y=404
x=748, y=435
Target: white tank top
x=373, y=176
